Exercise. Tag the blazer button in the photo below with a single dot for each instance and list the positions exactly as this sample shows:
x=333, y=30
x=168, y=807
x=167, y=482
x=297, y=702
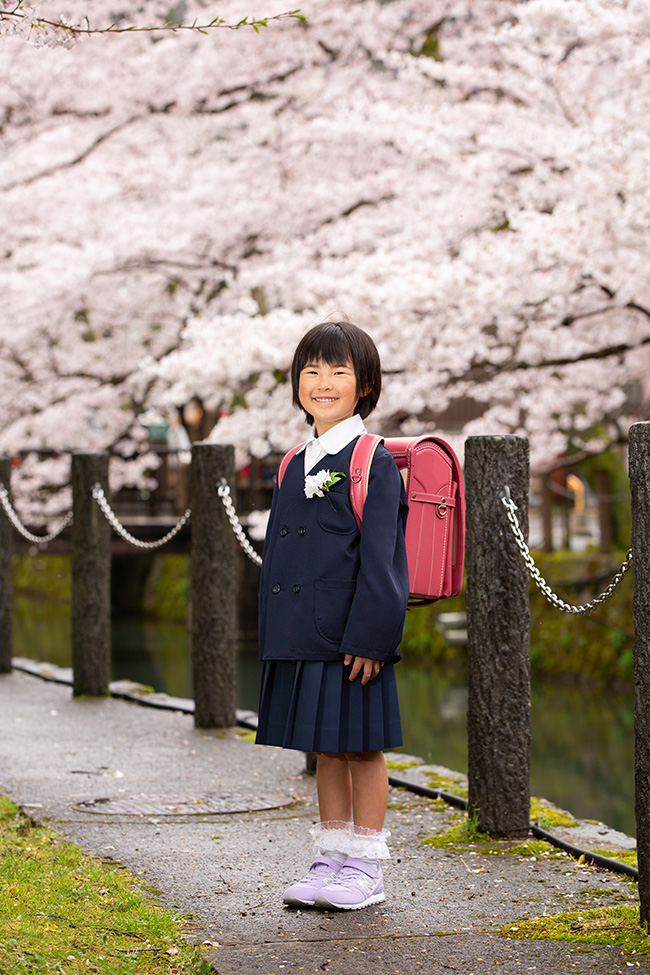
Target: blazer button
x=302, y=530
x=284, y=531
x=276, y=588
x=296, y=588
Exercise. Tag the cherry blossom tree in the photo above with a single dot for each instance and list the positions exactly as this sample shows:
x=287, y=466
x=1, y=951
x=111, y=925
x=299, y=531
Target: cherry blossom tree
x=466, y=181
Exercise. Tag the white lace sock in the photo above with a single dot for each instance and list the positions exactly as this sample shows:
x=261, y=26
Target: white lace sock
x=350, y=840
x=331, y=838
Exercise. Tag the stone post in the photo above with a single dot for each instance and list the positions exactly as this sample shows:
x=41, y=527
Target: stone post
x=91, y=577
x=213, y=589
x=639, y=465
x=498, y=627
x=6, y=575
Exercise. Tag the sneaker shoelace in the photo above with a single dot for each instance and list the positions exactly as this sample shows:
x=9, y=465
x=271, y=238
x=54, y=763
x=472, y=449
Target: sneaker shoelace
x=349, y=875
x=319, y=870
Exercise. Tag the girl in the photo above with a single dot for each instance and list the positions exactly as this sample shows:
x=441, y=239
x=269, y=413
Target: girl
x=332, y=607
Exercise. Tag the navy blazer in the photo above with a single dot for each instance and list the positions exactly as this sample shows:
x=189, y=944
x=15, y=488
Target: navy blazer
x=327, y=589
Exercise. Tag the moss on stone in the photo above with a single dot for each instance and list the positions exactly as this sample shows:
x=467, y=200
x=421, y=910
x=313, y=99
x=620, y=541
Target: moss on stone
x=462, y=834
x=48, y=576
x=616, y=924
x=165, y=593
x=446, y=784
x=623, y=856
x=167, y=590
x=545, y=815
x=245, y=735
x=538, y=849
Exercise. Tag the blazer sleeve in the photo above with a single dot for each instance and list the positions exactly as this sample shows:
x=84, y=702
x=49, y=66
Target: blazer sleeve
x=376, y=619
x=266, y=559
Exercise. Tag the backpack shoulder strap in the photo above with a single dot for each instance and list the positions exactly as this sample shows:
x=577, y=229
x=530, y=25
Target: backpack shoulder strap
x=284, y=463
x=360, y=462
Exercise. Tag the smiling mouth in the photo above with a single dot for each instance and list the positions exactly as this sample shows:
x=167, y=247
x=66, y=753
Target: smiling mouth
x=325, y=399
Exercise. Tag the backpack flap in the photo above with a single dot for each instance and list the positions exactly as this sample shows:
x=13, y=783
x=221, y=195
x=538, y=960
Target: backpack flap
x=435, y=529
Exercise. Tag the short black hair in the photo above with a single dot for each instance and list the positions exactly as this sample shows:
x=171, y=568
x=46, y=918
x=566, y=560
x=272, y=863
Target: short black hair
x=336, y=343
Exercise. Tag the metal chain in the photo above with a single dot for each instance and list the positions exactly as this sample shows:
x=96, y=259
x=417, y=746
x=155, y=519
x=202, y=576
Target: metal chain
x=112, y=519
x=223, y=490
x=20, y=528
x=541, y=583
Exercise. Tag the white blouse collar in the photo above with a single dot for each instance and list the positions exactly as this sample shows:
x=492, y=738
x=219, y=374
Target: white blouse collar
x=339, y=436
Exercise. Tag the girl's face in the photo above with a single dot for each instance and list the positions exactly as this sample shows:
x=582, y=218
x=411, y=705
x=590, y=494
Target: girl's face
x=328, y=393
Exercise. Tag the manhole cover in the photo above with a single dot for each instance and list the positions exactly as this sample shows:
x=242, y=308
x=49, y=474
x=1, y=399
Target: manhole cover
x=179, y=805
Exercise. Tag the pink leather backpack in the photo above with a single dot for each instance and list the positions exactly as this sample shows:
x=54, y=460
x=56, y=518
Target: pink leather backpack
x=435, y=527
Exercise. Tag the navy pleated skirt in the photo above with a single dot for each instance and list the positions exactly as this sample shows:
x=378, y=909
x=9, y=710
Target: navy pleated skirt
x=313, y=706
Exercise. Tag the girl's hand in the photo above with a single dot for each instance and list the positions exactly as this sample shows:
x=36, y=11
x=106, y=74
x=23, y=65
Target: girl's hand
x=362, y=665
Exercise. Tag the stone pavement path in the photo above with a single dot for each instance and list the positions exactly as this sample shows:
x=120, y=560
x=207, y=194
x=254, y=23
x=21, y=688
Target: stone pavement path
x=168, y=794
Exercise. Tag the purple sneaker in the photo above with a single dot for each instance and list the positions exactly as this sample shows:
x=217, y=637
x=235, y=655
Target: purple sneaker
x=359, y=883
x=321, y=873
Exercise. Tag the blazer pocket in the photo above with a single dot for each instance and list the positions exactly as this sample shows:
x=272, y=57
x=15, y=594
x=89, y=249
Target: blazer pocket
x=335, y=515
x=333, y=601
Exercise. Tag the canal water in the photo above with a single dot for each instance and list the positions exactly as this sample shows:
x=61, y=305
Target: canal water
x=582, y=738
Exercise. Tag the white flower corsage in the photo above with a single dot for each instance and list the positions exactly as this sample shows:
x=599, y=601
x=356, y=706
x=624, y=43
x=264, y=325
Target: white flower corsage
x=317, y=484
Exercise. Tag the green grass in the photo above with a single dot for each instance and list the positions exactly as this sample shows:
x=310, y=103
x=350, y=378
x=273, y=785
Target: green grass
x=65, y=913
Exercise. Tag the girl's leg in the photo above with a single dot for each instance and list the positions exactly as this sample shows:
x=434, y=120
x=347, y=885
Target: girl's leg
x=369, y=778
x=353, y=783
x=334, y=785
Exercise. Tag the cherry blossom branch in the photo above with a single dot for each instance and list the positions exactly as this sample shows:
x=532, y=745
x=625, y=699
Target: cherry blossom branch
x=162, y=263
x=68, y=163
x=252, y=92
x=18, y=17
x=484, y=370
x=19, y=362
